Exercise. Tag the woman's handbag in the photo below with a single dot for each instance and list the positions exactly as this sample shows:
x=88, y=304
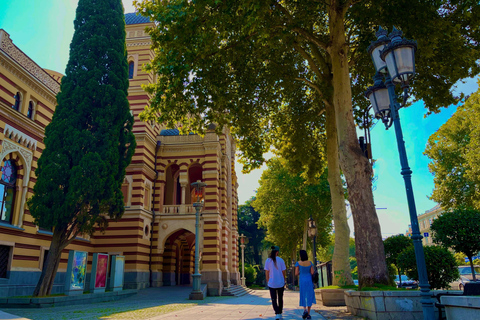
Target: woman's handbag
x=315, y=276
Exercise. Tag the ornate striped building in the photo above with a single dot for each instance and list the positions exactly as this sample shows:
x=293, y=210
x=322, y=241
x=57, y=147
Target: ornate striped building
x=157, y=232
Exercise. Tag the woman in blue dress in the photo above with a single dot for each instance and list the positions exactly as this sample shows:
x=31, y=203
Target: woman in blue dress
x=304, y=268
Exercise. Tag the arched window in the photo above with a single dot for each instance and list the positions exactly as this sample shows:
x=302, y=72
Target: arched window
x=7, y=190
x=30, y=110
x=18, y=101
x=131, y=65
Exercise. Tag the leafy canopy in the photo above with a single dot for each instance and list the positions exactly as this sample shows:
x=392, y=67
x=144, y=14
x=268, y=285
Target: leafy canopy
x=459, y=230
x=247, y=225
x=441, y=266
x=394, y=246
x=285, y=200
x=243, y=62
x=455, y=153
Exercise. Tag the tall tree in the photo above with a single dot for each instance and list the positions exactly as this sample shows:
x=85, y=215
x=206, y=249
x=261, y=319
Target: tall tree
x=236, y=62
x=89, y=142
x=248, y=225
x=455, y=153
x=460, y=231
x=285, y=201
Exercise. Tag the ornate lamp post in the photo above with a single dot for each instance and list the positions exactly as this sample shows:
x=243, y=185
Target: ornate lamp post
x=197, y=294
x=394, y=58
x=242, y=245
x=312, y=232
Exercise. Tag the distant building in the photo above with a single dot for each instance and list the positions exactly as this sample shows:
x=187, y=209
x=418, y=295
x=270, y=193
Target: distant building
x=425, y=220
x=157, y=232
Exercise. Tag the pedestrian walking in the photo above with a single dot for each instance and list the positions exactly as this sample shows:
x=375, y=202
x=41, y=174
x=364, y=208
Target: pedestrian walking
x=304, y=269
x=275, y=275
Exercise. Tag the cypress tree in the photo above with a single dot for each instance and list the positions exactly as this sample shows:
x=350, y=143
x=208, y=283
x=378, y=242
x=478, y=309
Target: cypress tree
x=89, y=142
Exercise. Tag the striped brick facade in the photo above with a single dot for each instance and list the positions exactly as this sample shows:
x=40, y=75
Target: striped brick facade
x=157, y=232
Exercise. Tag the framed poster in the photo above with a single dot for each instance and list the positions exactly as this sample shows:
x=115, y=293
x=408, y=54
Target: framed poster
x=79, y=268
x=101, y=276
x=119, y=268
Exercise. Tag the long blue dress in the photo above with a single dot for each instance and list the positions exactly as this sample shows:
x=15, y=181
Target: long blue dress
x=307, y=293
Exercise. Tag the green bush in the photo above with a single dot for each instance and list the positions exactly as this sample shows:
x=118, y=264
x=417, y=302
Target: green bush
x=260, y=280
x=441, y=266
x=250, y=274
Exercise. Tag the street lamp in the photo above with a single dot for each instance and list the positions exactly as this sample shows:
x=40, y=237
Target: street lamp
x=197, y=294
x=242, y=245
x=312, y=232
x=394, y=58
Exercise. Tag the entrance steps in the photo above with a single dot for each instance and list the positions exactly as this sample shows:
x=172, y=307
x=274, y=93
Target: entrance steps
x=236, y=291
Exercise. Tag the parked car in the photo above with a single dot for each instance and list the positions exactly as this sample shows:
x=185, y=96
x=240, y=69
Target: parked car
x=465, y=277
x=406, y=282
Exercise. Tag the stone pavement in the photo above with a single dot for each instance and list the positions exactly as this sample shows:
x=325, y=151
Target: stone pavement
x=172, y=303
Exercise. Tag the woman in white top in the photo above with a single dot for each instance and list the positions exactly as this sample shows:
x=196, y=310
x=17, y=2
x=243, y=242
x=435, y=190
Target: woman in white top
x=275, y=275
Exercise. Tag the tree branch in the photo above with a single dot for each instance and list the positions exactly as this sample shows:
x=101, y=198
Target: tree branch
x=306, y=34
x=319, y=91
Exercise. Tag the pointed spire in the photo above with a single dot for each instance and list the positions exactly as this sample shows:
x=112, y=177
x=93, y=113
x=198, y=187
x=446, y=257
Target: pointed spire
x=381, y=33
x=395, y=35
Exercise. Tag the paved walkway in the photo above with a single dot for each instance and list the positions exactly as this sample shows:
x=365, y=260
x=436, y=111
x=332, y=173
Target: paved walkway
x=172, y=303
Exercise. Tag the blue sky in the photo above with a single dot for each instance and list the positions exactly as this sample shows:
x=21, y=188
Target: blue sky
x=44, y=29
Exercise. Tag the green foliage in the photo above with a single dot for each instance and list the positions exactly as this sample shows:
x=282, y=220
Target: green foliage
x=394, y=246
x=458, y=230
x=89, y=142
x=459, y=258
x=285, y=200
x=247, y=225
x=264, y=67
x=250, y=274
x=325, y=253
x=441, y=266
x=353, y=267
x=454, y=150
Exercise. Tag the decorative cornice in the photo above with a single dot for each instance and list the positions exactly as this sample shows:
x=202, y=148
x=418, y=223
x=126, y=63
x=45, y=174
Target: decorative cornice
x=7, y=46
x=184, y=148
x=42, y=90
x=137, y=44
x=20, y=137
x=189, y=138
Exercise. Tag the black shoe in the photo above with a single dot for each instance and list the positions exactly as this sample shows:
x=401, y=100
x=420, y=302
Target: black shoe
x=309, y=316
x=305, y=314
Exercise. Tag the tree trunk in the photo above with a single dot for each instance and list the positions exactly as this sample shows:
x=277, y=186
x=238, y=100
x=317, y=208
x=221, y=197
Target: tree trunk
x=45, y=283
x=370, y=253
x=342, y=274
x=472, y=268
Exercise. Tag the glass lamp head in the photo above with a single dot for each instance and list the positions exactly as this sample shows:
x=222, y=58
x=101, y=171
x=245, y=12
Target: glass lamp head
x=399, y=56
x=378, y=96
x=376, y=47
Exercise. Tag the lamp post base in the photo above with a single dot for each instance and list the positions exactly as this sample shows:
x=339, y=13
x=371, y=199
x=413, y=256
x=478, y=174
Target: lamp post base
x=197, y=293
x=243, y=281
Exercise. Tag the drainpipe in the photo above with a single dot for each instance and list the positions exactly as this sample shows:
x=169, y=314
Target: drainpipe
x=153, y=216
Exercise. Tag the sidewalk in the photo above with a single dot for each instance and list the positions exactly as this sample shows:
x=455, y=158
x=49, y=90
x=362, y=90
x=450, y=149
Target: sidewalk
x=172, y=303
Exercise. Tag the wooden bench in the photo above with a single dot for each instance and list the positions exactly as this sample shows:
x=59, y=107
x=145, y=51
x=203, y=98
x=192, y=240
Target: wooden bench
x=471, y=289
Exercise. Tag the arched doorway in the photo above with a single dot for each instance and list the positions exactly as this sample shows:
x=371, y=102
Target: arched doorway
x=178, y=260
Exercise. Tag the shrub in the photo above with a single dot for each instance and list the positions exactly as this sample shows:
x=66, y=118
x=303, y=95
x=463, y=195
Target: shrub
x=250, y=274
x=441, y=266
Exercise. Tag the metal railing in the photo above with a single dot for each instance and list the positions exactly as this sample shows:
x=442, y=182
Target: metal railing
x=178, y=209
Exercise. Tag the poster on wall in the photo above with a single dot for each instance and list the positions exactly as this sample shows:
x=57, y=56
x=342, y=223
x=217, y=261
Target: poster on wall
x=101, y=277
x=79, y=269
x=119, y=268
